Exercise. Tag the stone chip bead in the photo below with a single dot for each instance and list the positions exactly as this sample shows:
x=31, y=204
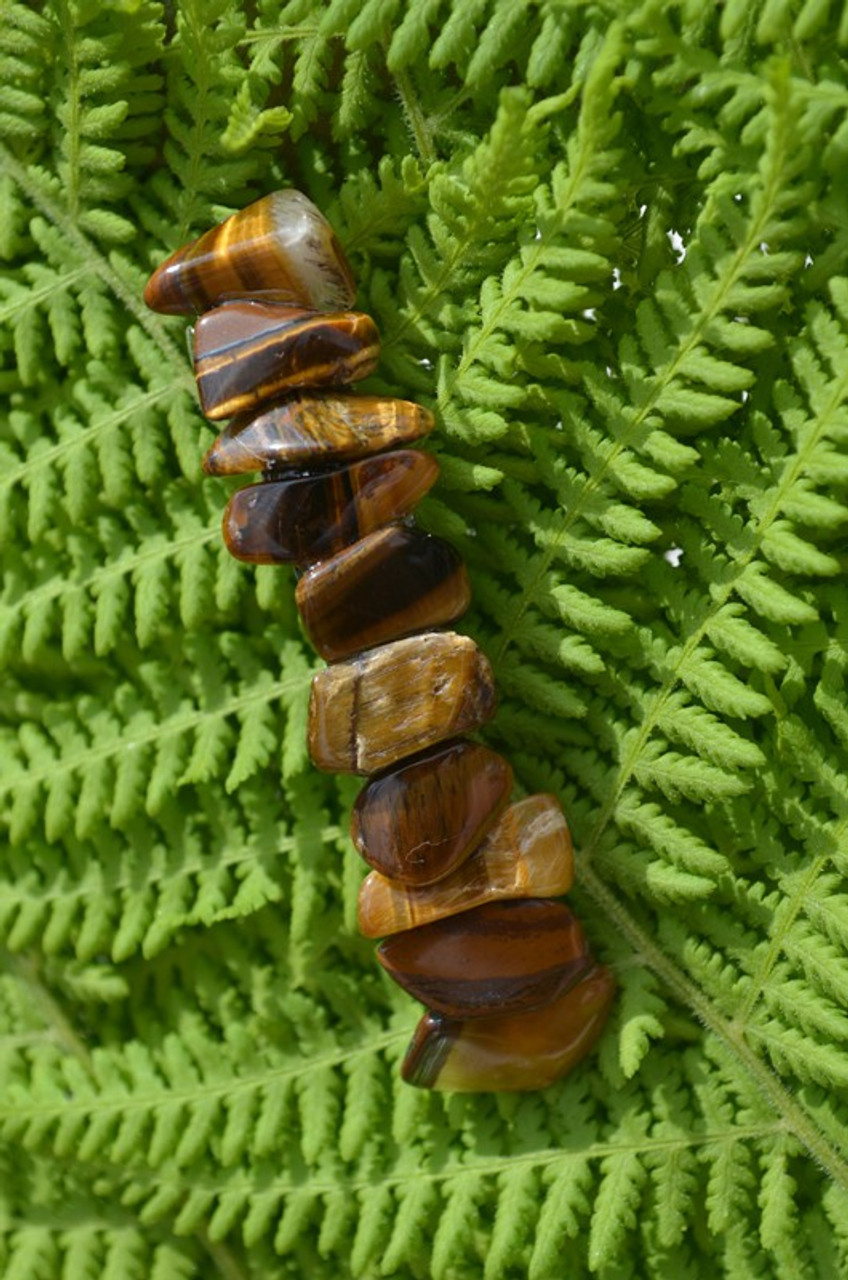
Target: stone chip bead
x=512, y=1052
x=280, y=245
x=248, y=352
x=368, y=712
x=310, y=428
x=500, y=958
x=417, y=822
x=388, y=585
x=308, y=518
x=526, y=854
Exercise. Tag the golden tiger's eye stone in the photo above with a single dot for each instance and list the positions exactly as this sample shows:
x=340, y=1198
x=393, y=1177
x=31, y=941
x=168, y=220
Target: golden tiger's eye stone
x=390, y=584
x=421, y=820
x=247, y=352
x=304, y=519
x=310, y=428
x=497, y=959
x=527, y=854
x=517, y=1051
x=280, y=244
x=367, y=713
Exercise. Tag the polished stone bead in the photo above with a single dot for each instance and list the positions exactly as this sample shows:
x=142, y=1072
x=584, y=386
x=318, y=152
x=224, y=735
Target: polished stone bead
x=308, y=518
x=309, y=428
x=422, y=819
x=368, y=712
x=499, y=958
x=390, y=584
x=249, y=352
x=516, y=1051
x=527, y=854
x=278, y=245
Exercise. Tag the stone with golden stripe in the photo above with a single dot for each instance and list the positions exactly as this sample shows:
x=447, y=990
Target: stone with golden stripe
x=496, y=959
x=280, y=245
x=249, y=352
x=307, y=518
x=309, y=427
x=388, y=585
x=368, y=712
x=530, y=1050
x=526, y=854
x=418, y=822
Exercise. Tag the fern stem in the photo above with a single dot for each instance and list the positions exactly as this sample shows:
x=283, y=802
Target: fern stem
x=793, y=1116
x=60, y=1028
x=415, y=117
x=226, y=1263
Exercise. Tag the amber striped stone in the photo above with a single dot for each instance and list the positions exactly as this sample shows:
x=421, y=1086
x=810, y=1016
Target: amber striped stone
x=390, y=584
x=278, y=245
x=249, y=352
x=499, y=958
x=309, y=428
x=526, y=854
x=422, y=819
x=516, y=1051
x=307, y=518
x=368, y=712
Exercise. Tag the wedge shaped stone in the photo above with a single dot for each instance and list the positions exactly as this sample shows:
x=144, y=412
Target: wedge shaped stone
x=423, y=818
x=527, y=854
x=248, y=352
x=512, y=1052
x=278, y=245
x=308, y=518
x=499, y=958
x=309, y=428
x=368, y=712
x=390, y=584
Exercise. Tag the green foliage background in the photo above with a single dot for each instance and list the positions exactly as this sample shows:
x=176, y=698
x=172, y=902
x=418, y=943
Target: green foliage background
x=198, y=1056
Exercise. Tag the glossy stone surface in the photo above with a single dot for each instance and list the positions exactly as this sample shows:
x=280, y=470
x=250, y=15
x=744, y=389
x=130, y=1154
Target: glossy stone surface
x=499, y=958
x=308, y=518
x=368, y=712
x=512, y=1052
x=390, y=584
x=309, y=428
x=421, y=820
x=527, y=854
x=249, y=352
x=280, y=244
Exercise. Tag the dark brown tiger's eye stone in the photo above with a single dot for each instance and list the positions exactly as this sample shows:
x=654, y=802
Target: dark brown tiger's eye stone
x=307, y=518
x=248, y=352
x=526, y=854
x=280, y=244
x=421, y=820
x=368, y=712
x=390, y=584
x=499, y=958
x=515, y=1051
x=310, y=428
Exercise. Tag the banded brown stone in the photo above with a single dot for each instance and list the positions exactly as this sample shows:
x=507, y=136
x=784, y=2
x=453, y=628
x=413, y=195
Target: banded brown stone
x=307, y=518
x=248, y=352
x=280, y=245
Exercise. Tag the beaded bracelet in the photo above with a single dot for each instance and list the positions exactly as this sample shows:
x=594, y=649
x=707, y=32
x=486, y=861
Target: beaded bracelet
x=463, y=885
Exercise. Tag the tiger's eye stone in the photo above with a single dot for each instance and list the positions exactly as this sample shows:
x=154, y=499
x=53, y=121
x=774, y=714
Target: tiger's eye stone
x=367, y=713
x=247, y=352
x=304, y=519
x=517, y=1051
x=280, y=244
x=392, y=583
x=421, y=820
x=527, y=854
x=310, y=428
x=499, y=958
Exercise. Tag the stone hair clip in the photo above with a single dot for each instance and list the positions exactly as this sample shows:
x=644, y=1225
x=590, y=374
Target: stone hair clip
x=463, y=884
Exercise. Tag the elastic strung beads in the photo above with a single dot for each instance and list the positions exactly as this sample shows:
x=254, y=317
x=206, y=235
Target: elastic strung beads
x=462, y=882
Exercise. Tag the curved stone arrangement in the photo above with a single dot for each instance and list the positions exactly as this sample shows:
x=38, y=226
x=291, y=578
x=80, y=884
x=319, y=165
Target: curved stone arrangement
x=463, y=883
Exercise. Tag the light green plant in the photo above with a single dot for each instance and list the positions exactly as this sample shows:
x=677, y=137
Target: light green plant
x=608, y=243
